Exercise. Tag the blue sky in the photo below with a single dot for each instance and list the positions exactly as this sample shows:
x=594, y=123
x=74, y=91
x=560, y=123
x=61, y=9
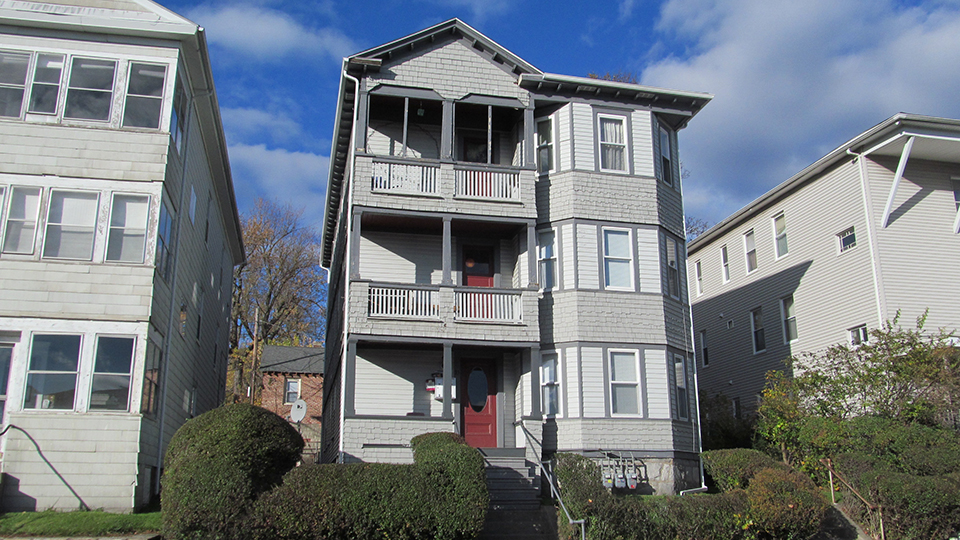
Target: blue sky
x=792, y=79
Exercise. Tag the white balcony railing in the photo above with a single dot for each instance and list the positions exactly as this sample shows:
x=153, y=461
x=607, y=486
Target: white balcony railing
x=496, y=185
x=403, y=303
x=405, y=178
x=488, y=306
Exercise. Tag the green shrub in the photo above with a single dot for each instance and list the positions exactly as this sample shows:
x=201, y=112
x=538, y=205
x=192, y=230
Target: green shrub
x=217, y=464
x=442, y=495
x=785, y=504
x=733, y=468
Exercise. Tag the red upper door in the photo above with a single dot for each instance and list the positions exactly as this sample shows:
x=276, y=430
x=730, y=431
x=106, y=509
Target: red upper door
x=478, y=266
x=478, y=401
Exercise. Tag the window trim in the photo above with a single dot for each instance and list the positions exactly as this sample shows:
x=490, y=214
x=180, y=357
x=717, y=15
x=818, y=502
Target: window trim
x=556, y=384
x=552, y=145
x=672, y=271
x=625, y=145
x=110, y=228
x=36, y=219
x=666, y=168
x=747, y=251
x=725, y=263
x=76, y=374
x=849, y=231
x=861, y=332
x=94, y=372
x=757, y=313
x=686, y=386
x=785, y=321
x=541, y=259
x=699, y=275
x=777, y=236
x=286, y=391
x=638, y=383
x=604, y=257
x=127, y=95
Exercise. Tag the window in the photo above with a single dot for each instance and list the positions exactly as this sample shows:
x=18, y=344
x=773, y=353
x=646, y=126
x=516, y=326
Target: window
x=617, y=259
x=200, y=306
x=789, y=319
x=544, y=146
x=183, y=319
x=680, y=379
x=178, y=117
x=144, y=96
x=13, y=81
x=737, y=411
x=704, y=357
x=847, y=239
x=624, y=383
x=956, y=192
x=756, y=325
x=193, y=205
x=725, y=264
x=6, y=355
x=613, y=144
x=45, y=93
x=673, y=270
x=164, y=242
x=549, y=382
x=150, y=396
x=128, y=228
x=110, y=389
x=52, y=374
x=22, y=213
x=71, y=223
x=859, y=335
x=780, y=235
x=548, y=260
x=291, y=390
x=666, y=166
x=750, y=247
x=699, y=279
x=90, y=90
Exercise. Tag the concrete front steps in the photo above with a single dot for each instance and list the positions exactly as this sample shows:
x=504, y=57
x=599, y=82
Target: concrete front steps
x=515, y=511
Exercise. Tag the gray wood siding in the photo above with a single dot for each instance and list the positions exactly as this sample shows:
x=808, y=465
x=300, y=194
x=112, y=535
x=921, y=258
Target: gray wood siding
x=593, y=381
x=400, y=257
x=403, y=372
x=583, y=139
x=649, y=259
x=657, y=384
x=564, y=137
x=588, y=265
x=571, y=382
x=615, y=198
x=642, y=138
x=567, y=256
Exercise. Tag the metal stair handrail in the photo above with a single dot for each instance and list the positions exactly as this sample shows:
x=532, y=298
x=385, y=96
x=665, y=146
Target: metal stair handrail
x=554, y=490
x=870, y=506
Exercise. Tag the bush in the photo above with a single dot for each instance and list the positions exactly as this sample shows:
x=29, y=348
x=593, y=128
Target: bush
x=217, y=465
x=442, y=495
x=733, y=468
x=785, y=504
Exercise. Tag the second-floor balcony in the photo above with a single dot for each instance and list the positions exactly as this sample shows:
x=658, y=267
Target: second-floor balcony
x=469, y=305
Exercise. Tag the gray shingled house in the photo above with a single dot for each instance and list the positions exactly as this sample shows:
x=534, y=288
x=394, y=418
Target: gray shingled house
x=506, y=255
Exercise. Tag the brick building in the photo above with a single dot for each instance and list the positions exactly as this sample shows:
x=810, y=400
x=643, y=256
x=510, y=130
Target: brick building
x=289, y=374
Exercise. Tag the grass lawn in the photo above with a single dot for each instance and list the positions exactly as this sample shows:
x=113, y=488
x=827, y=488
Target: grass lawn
x=52, y=523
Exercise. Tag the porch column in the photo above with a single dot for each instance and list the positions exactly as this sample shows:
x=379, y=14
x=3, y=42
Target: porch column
x=447, y=253
x=360, y=143
x=349, y=378
x=446, y=131
x=447, y=380
x=532, y=256
x=535, y=412
x=355, y=247
x=529, y=142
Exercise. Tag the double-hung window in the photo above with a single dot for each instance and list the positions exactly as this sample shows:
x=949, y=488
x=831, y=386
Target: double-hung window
x=71, y=224
x=789, y=319
x=699, y=279
x=6, y=356
x=859, y=335
x=150, y=395
x=673, y=268
x=52, y=372
x=750, y=248
x=725, y=264
x=666, y=157
x=178, y=116
x=110, y=388
x=847, y=239
x=780, y=235
x=128, y=228
x=164, y=241
x=13, y=82
x=704, y=357
x=613, y=143
x=291, y=390
x=756, y=326
x=22, y=211
x=680, y=380
x=548, y=260
x=45, y=92
x=617, y=259
x=90, y=89
x=550, y=383
x=624, y=383
x=144, y=95
x=544, y=146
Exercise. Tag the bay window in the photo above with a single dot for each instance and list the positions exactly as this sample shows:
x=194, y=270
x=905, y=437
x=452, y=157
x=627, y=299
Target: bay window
x=128, y=228
x=624, y=383
x=52, y=372
x=22, y=212
x=71, y=224
x=110, y=388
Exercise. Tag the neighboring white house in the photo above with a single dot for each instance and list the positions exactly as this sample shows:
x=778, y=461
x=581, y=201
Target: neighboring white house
x=118, y=236
x=506, y=255
x=830, y=254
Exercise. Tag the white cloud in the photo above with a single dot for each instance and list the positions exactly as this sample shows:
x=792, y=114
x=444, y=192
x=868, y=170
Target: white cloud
x=625, y=9
x=479, y=9
x=295, y=178
x=268, y=34
x=793, y=80
x=249, y=125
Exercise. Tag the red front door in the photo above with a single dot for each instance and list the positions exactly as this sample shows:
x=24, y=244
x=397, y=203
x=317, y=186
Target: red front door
x=478, y=266
x=479, y=402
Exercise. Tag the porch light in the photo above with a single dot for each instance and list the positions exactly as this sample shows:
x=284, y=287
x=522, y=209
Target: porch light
x=421, y=111
x=470, y=263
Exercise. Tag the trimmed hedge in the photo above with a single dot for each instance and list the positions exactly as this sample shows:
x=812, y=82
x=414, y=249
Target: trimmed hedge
x=778, y=503
x=733, y=468
x=217, y=465
x=442, y=495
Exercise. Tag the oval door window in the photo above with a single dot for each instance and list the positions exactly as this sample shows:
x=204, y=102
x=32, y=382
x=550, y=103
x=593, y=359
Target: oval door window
x=477, y=389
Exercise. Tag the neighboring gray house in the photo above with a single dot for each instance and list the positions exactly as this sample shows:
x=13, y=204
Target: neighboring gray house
x=118, y=236
x=506, y=260
x=828, y=255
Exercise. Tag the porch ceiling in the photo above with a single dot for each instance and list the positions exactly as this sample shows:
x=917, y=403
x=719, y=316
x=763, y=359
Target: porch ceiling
x=429, y=225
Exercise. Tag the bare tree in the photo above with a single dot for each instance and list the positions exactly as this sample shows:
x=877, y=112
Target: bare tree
x=695, y=227
x=620, y=76
x=280, y=293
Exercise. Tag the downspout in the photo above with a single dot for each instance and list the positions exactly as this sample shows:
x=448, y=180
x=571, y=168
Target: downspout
x=870, y=239
x=351, y=153
x=696, y=382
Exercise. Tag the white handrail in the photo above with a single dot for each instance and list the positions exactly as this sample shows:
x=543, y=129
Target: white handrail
x=483, y=184
x=488, y=306
x=405, y=178
x=401, y=302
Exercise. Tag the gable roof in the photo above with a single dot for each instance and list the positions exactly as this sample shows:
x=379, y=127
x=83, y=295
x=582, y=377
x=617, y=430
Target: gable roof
x=940, y=137
x=281, y=359
x=128, y=17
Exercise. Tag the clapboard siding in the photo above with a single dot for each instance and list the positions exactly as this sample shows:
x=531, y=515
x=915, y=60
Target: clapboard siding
x=401, y=258
x=649, y=260
x=642, y=144
x=564, y=137
x=657, y=390
x=403, y=372
x=594, y=394
x=588, y=265
x=571, y=383
x=567, y=255
x=583, y=143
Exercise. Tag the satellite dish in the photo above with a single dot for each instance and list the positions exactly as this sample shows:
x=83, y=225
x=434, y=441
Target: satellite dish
x=299, y=410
